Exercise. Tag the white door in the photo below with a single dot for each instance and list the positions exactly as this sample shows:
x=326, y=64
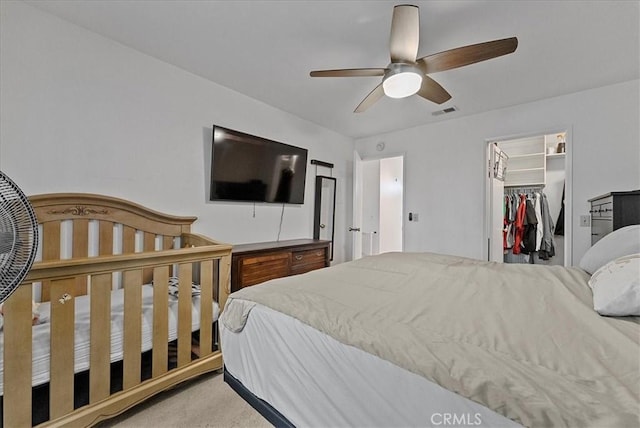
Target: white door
x=496, y=197
x=391, y=191
x=356, y=245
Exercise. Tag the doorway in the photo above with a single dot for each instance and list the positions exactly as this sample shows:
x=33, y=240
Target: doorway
x=379, y=195
x=536, y=168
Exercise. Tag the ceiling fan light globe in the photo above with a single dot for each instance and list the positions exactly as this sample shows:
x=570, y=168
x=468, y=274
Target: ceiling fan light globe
x=401, y=80
x=402, y=85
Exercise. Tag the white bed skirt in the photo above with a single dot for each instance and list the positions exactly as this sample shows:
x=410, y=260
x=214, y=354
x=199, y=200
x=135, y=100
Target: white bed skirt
x=316, y=381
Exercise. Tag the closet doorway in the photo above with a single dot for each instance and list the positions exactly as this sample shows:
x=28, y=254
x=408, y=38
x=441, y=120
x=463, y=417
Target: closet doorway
x=378, y=205
x=529, y=174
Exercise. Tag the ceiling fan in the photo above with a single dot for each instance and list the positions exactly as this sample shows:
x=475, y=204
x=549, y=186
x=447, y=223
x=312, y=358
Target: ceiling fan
x=406, y=74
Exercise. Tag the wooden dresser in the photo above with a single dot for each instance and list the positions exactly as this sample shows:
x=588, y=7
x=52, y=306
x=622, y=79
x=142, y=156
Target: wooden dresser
x=255, y=263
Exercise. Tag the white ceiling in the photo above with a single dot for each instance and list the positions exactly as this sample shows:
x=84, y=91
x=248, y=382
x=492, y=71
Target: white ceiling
x=265, y=49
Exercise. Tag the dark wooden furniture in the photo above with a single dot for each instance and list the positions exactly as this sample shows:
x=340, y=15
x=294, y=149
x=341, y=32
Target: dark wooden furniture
x=255, y=263
x=613, y=211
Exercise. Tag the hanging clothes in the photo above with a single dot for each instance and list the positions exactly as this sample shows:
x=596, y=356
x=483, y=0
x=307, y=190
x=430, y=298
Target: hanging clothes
x=520, y=223
x=510, y=219
x=530, y=228
x=548, y=247
x=537, y=206
x=560, y=221
x=527, y=226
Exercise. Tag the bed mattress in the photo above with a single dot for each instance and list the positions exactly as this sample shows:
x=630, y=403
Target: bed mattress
x=314, y=380
x=521, y=340
x=41, y=342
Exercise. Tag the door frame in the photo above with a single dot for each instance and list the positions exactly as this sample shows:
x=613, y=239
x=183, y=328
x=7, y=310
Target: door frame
x=357, y=194
x=568, y=189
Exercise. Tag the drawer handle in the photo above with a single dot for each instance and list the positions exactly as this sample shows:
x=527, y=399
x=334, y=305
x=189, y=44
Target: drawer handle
x=320, y=254
x=298, y=257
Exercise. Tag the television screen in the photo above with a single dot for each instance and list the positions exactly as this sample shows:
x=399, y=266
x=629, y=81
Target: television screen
x=249, y=168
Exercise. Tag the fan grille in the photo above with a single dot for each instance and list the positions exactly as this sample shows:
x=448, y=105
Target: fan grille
x=18, y=236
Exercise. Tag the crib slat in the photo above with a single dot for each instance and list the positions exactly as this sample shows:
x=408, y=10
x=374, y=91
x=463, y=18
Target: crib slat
x=206, y=307
x=149, y=241
x=224, y=284
x=167, y=242
x=184, y=313
x=80, y=238
x=149, y=245
x=99, y=370
x=160, y=320
x=50, y=250
x=80, y=249
x=106, y=238
x=17, y=358
x=132, y=328
x=62, y=347
x=128, y=240
x=51, y=244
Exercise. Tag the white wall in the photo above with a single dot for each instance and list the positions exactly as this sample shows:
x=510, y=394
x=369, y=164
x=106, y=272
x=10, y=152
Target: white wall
x=444, y=163
x=82, y=113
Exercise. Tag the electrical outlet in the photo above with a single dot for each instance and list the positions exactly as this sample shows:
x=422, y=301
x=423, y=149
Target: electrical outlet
x=585, y=220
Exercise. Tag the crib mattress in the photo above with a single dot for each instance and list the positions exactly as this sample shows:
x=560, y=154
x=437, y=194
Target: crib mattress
x=41, y=341
x=314, y=380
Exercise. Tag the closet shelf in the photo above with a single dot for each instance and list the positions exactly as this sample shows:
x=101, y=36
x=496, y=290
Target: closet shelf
x=556, y=155
x=527, y=155
x=515, y=171
x=532, y=184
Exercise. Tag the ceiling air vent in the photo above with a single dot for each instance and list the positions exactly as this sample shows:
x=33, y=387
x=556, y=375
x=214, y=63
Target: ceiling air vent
x=445, y=111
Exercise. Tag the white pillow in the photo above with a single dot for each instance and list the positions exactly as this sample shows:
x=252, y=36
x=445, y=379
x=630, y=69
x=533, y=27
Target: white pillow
x=618, y=243
x=616, y=287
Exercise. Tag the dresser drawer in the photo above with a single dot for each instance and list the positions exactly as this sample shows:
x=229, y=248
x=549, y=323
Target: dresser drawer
x=599, y=228
x=602, y=208
x=255, y=270
x=307, y=260
x=255, y=263
x=308, y=256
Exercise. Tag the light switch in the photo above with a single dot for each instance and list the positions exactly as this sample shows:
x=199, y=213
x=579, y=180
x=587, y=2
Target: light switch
x=585, y=220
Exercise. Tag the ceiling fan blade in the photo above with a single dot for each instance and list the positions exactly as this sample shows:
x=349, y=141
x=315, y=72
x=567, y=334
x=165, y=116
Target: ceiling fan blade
x=405, y=33
x=459, y=57
x=349, y=72
x=370, y=99
x=432, y=91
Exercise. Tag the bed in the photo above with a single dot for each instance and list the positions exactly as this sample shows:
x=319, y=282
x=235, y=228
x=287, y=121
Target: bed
x=420, y=339
x=127, y=306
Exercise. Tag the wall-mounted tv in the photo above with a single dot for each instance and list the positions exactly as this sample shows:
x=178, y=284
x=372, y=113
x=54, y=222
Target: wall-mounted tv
x=249, y=168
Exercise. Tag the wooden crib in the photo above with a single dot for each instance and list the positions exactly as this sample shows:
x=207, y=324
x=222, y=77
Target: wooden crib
x=91, y=244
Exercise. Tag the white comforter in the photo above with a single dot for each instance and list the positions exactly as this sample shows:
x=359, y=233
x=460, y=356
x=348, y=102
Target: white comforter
x=522, y=340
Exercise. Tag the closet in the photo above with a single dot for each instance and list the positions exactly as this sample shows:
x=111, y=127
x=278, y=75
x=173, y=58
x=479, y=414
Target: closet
x=526, y=192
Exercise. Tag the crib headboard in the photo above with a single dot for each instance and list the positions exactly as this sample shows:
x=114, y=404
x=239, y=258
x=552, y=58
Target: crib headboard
x=87, y=245
x=80, y=225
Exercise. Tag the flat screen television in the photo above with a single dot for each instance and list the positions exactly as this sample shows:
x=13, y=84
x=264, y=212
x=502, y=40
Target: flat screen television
x=249, y=168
